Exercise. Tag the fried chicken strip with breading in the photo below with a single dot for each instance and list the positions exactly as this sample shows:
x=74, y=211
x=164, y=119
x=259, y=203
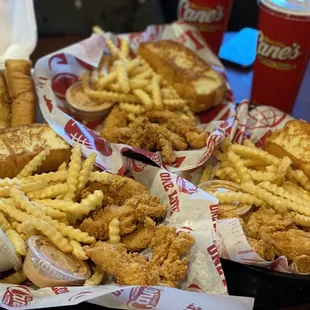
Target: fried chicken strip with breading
x=135, y=269
x=133, y=211
x=119, y=189
x=141, y=238
x=263, y=248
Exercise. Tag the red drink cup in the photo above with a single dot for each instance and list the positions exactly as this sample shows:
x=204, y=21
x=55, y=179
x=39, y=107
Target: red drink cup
x=282, y=53
x=209, y=16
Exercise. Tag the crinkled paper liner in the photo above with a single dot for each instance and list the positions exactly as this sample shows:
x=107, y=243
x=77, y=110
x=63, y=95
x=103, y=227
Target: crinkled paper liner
x=191, y=210
x=56, y=72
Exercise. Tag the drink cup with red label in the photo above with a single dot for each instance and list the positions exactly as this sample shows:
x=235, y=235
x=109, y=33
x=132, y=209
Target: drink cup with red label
x=209, y=16
x=282, y=52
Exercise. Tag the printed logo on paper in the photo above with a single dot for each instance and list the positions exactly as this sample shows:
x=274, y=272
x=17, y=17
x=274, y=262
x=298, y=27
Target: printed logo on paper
x=17, y=296
x=191, y=12
x=186, y=187
x=146, y=298
x=273, y=53
x=61, y=82
x=60, y=290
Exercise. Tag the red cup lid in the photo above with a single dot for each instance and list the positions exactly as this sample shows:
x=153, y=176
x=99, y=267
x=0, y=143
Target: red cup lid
x=289, y=7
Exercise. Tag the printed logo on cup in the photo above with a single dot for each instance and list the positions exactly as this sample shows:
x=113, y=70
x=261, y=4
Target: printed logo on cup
x=272, y=53
x=146, y=298
x=17, y=296
x=192, y=12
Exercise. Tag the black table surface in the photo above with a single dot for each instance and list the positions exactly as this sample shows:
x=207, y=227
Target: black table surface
x=270, y=291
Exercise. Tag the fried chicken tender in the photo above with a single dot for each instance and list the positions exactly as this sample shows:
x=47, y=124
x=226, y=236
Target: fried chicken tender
x=291, y=243
x=133, y=211
x=267, y=220
x=263, y=248
x=135, y=269
x=302, y=263
x=141, y=238
x=195, y=137
x=119, y=189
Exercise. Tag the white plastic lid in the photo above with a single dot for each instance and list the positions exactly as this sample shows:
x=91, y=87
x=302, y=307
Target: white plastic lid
x=55, y=263
x=18, y=35
x=8, y=257
x=289, y=7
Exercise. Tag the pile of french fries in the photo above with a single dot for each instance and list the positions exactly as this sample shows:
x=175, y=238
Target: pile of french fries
x=45, y=204
x=264, y=180
x=132, y=82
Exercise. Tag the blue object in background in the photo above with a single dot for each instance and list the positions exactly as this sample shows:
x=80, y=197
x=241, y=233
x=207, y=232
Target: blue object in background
x=241, y=49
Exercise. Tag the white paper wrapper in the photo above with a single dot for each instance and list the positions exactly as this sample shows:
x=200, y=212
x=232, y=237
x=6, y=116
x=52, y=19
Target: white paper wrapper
x=231, y=240
x=56, y=72
x=191, y=210
x=18, y=36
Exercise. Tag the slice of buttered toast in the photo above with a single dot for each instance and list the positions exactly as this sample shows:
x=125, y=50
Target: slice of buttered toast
x=293, y=140
x=192, y=78
x=18, y=145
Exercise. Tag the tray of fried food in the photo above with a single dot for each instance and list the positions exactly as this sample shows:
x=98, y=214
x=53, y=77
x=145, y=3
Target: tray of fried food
x=92, y=215
x=148, y=113
x=269, y=195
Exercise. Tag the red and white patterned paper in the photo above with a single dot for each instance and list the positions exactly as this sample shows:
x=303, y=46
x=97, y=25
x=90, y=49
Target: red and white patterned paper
x=56, y=72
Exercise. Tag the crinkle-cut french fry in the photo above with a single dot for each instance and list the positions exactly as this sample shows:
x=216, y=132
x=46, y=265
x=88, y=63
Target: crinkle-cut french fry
x=62, y=167
x=133, y=65
x=166, y=93
x=261, y=175
x=45, y=228
x=220, y=173
x=65, y=230
x=25, y=228
x=174, y=104
x=17, y=242
x=132, y=108
x=271, y=169
x=122, y=76
x=131, y=117
x=111, y=96
x=78, y=250
x=220, y=156
x=296, y=190
x=272, y=200
x=9, y=182
x=85, y=171
x=93, y=201
x=144, y=98
x=48, y=192
x=138, y=83
x=282, y=169
x=53, y=213
x=225, y=164
x=47, y=177
x=249, y=143
x=300, y=177
x=239, y=167
x=146, y=74
x=302, y=220
x=33, y=165
x=114, y=231
x=145, y=64
x=255, y=153
x=65, y=206
x=106, y=80
x=102, y=177
x=156, y=92
x=232, y=174
x=225, y=145
x=73, y=172
x=95, y=279
x=124, y=48
x=248, y=162
x=206, y=174
x=280, y=191
x=230, y=197
x=16, y=278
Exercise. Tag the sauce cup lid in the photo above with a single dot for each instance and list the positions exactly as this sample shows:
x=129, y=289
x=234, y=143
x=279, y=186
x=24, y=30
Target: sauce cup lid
x=56, y=263
x=8, y=257
x=289, y=7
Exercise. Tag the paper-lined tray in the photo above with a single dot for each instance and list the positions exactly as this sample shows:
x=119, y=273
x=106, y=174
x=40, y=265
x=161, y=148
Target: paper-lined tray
x=56, y=72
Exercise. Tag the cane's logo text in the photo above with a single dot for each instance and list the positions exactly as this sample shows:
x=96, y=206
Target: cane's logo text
x=277, y=51
x=191, y=13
